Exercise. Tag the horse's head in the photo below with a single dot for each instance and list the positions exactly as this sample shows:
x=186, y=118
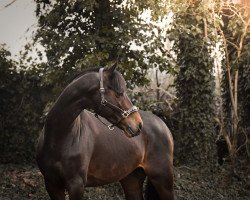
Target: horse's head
x=114, y=104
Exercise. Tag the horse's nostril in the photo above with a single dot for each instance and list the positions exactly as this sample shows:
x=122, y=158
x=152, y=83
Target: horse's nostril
x=140, y=126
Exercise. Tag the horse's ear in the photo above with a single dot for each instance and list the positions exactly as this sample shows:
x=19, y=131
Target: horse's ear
x=111, y=68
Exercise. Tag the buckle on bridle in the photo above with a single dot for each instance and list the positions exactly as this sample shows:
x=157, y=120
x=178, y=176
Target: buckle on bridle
x=104, y=102
x=102, y=90
x=125, y=114
x=111, y=127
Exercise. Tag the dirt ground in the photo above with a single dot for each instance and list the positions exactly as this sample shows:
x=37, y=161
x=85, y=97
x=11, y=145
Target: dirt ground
x=25, y=182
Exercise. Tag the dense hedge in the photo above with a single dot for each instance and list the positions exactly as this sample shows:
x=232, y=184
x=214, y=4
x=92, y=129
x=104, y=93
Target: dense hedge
x=21, y=106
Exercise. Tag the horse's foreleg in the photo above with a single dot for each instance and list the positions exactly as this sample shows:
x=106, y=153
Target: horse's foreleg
x=55, y=192
x=162, y=178
x=133, y=185
x=164, y=189
x=75, y=188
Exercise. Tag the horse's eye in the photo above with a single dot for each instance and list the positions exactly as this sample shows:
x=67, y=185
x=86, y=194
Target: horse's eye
x=109, y=87
x=118, y=95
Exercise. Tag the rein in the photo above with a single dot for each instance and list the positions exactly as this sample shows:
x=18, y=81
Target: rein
x=104, y=102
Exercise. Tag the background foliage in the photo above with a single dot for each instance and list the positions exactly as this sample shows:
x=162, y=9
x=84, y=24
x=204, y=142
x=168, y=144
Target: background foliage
x=21, y=105
x=95, y=33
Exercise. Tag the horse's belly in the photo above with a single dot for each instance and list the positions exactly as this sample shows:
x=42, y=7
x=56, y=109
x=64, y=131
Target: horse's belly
x=104, y=174
x=93, y=181
x=111, y=169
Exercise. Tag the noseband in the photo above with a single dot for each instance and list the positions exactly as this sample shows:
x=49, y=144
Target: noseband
x=105, y=103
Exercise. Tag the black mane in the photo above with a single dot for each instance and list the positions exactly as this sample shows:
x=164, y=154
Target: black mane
x=85, y=71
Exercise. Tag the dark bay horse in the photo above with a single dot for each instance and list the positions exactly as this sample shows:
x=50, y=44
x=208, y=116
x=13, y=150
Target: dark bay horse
x=76, y=150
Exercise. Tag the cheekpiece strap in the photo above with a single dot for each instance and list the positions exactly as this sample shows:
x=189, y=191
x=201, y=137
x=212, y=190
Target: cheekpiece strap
x=102, y=90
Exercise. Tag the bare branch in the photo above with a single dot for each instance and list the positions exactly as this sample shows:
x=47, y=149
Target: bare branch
x=205, y=27
x=234, y=10
x=7, y=5
x=233, y=44
x=244, y=33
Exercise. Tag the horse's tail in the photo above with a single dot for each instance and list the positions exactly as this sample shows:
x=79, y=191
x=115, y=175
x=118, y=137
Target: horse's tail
x=151, y=193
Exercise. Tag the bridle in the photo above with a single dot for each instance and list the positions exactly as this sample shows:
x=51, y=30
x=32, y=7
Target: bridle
x=105, y=103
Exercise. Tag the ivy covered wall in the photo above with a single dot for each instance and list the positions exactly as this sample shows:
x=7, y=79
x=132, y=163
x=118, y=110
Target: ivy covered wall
x=194, y=84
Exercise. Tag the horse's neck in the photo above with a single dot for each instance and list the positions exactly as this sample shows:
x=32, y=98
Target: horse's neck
x=67, y=107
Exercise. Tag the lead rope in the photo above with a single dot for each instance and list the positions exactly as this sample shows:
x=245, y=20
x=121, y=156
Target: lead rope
x=110, y=126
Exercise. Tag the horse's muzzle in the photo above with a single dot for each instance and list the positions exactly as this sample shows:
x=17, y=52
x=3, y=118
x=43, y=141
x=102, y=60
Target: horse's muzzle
x=132, y=132
x=132, y=125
